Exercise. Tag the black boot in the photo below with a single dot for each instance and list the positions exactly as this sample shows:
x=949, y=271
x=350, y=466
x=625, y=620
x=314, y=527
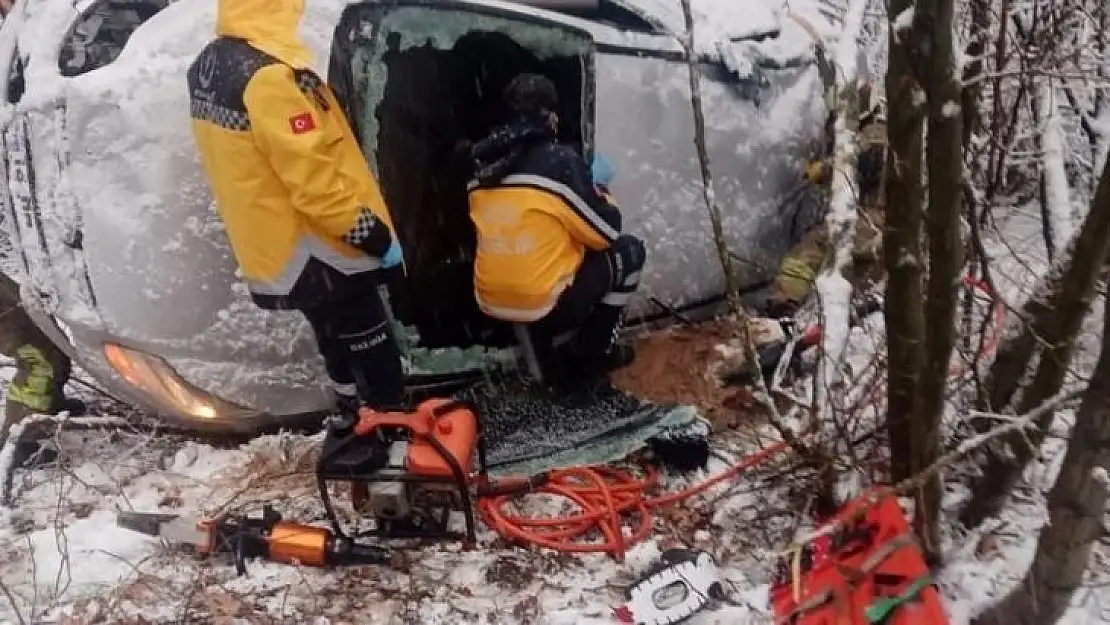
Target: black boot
x=577, y=357
x=346, y=404
x=75, y=407
x=593, y=355
x=618, y=356
x=343, y=414
x=609, y=352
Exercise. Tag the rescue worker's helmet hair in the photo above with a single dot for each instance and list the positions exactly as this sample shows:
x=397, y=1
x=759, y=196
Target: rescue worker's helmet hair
x=531, y=93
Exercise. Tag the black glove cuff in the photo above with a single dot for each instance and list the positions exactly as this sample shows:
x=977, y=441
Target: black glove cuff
x=370, y=234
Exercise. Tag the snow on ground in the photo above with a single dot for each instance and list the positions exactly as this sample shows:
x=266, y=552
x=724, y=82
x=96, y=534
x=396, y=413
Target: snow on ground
x=992, y=559
x=989, y=561
x=61, y=548
x=63, y=554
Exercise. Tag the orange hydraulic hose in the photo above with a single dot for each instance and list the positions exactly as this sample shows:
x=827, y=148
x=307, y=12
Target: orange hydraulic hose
x=605, y=495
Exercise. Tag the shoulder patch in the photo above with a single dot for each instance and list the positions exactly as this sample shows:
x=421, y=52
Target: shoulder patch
x=302, y=123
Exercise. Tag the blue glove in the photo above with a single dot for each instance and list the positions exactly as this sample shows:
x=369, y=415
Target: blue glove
x=602, y=171
x=393, y=256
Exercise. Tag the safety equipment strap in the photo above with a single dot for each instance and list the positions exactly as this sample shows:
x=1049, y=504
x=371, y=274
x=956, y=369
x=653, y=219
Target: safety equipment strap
x=883, y=607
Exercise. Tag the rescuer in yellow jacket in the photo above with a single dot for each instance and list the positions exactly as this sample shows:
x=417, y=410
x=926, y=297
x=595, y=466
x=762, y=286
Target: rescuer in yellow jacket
x=38, y=383
x=550, y=250
x=304, y=214
x=799, y=267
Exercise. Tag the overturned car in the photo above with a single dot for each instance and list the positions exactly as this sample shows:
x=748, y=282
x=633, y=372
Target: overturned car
x=110, y=230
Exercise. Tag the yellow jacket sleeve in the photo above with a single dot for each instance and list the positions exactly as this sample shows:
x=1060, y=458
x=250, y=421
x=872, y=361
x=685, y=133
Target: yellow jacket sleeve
x=290, y=130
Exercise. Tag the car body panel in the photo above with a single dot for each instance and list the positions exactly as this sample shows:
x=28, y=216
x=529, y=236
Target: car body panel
x=659, y=180
x=134, y=252
x=157, y=257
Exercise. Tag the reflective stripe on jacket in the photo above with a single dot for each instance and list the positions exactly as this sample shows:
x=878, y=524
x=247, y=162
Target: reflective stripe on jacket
x=286, y=172
x=534, y=219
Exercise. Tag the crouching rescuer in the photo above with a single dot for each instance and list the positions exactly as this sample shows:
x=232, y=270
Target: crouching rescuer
x=306, y=219
x=550, y=249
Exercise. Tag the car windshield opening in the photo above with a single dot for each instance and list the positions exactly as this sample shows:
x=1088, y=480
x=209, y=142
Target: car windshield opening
x=420, y=84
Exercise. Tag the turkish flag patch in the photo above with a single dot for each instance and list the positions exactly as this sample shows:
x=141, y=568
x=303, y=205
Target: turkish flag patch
x=302, y=123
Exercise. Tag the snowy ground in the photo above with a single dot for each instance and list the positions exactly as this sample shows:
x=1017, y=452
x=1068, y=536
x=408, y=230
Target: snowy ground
x=992, y=559
x=66, y=561
x=63, y=560
x=65, y=549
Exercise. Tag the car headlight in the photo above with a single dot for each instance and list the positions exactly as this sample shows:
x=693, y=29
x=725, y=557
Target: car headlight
x=158, y=380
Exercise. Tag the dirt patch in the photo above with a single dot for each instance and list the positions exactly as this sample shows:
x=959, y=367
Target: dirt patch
x=675, y=366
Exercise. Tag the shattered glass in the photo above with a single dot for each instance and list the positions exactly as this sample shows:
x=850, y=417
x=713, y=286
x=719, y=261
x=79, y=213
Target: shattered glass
x=530, y=429
x=401, y=28
x=444, y=360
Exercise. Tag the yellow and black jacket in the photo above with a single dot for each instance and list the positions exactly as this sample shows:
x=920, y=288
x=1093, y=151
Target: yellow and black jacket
x=300, y=205
x=536, y=212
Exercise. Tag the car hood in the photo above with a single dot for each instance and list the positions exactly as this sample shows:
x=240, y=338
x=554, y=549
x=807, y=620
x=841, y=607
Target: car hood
x=153, y=255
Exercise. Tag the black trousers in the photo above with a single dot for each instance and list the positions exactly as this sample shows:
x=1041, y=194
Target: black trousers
x=594, y=303
x=360, y=352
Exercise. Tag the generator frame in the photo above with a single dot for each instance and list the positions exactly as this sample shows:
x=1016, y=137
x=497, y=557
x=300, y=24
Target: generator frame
x=463, y=480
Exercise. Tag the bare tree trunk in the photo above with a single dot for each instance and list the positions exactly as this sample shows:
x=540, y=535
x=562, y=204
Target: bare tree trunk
x=1047, y=230
x=1056, y=320
x=1056, y=196
x=933, y=21
x=1075, y=507
x=834, y=290
x=997, y=156
x=1098, y=148
x=709, y=193
x=976, y=47
x=902, y=255
x=970, y=99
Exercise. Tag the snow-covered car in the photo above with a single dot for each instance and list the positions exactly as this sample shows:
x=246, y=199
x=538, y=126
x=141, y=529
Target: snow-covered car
x=124, y=260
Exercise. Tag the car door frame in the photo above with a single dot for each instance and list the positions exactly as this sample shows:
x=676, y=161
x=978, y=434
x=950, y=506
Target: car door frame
x=525, y=13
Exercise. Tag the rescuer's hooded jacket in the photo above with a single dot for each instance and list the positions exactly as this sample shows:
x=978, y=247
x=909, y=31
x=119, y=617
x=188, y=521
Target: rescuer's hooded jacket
x=536, y=212
x=299, y=202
